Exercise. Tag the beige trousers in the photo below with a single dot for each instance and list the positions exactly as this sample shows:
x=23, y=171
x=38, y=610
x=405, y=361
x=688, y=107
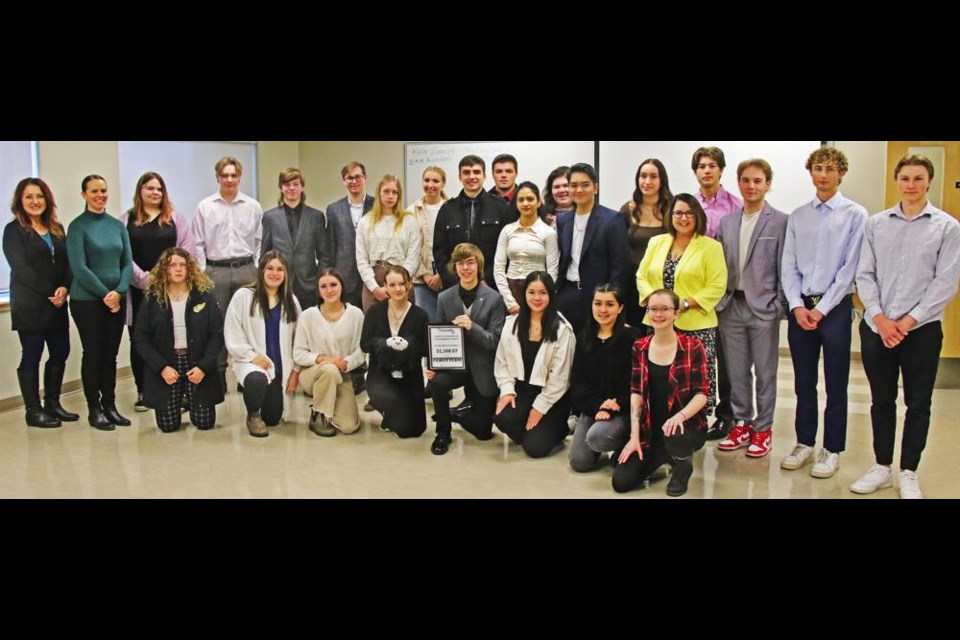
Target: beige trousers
x=332, y=396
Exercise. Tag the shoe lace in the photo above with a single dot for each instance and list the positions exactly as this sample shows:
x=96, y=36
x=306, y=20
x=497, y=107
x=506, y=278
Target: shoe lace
x=758, y=438
x=878, y=472
x=822, y=456
x=797, y=451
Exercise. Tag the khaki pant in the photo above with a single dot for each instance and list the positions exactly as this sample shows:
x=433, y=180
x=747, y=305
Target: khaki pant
x=332, y=396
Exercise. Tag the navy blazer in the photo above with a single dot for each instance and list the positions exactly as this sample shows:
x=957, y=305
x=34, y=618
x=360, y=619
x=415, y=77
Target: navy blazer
x=605, y=255
x=343, y=241
x=35, y=275
x=310, y=253
x=760, y=280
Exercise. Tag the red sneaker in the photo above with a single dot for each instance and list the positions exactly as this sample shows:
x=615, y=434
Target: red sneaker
x=739, y=437
x=760, y=444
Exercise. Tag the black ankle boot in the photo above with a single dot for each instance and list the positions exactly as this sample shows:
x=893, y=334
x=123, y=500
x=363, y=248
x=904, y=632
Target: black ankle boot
x=110, y=411
x=52, y=385
x=30, y=390
x=99, y=420
x=682, y=470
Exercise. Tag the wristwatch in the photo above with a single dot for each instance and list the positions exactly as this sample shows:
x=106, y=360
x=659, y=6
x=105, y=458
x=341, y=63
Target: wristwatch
x=686, y=305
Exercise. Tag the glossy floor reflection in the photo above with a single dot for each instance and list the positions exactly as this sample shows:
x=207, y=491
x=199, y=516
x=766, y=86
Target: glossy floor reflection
x=77, y=461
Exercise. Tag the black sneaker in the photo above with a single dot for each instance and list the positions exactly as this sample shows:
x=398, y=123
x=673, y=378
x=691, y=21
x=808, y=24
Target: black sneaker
x=139, y=407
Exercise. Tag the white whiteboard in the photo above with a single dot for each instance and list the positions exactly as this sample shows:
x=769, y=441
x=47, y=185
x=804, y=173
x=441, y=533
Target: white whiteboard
x=792, y=185
x=535, y=161
x=186, y=167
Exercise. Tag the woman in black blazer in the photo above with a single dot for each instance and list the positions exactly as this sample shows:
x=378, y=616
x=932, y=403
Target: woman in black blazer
x=35, y=246
x=395, y=335
x=179, y=335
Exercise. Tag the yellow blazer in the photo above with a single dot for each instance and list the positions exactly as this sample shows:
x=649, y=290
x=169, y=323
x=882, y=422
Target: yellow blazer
x=701, y=275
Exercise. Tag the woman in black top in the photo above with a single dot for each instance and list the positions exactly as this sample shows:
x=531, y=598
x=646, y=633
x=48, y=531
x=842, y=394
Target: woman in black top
x=644, y=215
x=395, y=335
x=179, y=336
x=34, y=244
x=600, y=381
x=154, y=227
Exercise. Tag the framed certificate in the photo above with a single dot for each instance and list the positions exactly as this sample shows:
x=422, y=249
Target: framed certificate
x=446, y=348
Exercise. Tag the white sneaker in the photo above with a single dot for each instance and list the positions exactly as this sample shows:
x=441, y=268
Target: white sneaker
x=800, y=456
x=825, y=464
x=910, y=486
x=878, y=477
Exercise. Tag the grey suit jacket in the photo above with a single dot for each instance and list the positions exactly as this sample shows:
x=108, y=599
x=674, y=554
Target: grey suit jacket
x=343, y=240
x=488, y=314
x=306, y=256
x=760, y=280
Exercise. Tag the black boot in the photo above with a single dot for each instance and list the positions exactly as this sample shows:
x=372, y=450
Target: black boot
x=682, y=470
x=52, y=384
x=110, y=411
x=30, y=390
x=98, y=420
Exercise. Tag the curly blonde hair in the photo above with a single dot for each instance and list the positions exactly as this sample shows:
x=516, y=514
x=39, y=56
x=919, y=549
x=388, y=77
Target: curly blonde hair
x=159, y=280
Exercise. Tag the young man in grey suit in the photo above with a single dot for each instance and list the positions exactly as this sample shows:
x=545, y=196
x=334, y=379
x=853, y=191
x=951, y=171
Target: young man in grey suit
x=751, y=311
x=343, y=216
x=481, y=312
x=299, y=234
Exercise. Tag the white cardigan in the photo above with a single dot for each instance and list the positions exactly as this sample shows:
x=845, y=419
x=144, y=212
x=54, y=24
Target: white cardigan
x=551, y=369
x=317, y=336
x=246, y=338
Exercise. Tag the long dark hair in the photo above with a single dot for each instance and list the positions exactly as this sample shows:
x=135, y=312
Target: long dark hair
x=262, y=299
x=592, y=327
x=550, y=322
x=49, y=216
x=663, y=195
x=139, y=213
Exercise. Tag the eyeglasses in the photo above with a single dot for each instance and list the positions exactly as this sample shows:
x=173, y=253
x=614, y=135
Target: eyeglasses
x=359, y=178
x=662, y=309
x=470, y=262
x=684, y=214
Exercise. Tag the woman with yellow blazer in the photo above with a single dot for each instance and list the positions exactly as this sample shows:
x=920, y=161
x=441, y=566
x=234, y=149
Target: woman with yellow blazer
x=691, y=264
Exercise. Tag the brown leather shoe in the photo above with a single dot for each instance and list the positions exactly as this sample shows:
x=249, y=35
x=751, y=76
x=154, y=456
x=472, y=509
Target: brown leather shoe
x=255, y=425
x=321, y=426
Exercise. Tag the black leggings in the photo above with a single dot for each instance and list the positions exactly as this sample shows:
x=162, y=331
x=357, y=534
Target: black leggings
x=100, y=333
x=540, y=441
x=634, y=472
x=263, y=397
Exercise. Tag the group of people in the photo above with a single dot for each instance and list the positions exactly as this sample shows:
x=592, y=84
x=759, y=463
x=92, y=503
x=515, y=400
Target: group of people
x=635, y=325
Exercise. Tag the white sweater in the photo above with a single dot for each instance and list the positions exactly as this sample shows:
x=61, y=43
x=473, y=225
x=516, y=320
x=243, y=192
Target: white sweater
x=317, y=336
x=246, y=338
x=382, y=243
x=551, y=369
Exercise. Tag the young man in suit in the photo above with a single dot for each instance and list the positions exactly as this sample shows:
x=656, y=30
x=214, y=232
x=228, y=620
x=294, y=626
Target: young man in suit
x=480, y=311
x=752, y=308
x=343, y=216
x=299, y=234
x=504, y=169
x=593, y=247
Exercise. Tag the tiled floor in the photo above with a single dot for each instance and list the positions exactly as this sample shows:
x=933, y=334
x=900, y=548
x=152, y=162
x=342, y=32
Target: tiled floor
x=77, y=461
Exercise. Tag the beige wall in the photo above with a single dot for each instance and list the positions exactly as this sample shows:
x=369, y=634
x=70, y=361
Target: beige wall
x=321, y=163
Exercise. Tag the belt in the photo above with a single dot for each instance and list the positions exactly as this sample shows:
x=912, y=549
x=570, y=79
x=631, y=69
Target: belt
x=181, y=352
x=571, y=283
x=231, y=262
x=811, y=302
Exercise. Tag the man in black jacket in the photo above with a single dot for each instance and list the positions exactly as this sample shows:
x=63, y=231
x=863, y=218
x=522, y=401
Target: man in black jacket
x=473, y=216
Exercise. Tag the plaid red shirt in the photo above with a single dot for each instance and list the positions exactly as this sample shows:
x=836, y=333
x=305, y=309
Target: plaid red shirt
x=688, y=377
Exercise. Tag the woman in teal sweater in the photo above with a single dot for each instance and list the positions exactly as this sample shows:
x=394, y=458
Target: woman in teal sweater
x=98, y=246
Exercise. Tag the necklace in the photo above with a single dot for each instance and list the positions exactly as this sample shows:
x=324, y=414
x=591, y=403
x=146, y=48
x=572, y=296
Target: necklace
x=179, y=297
x=397, y=318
